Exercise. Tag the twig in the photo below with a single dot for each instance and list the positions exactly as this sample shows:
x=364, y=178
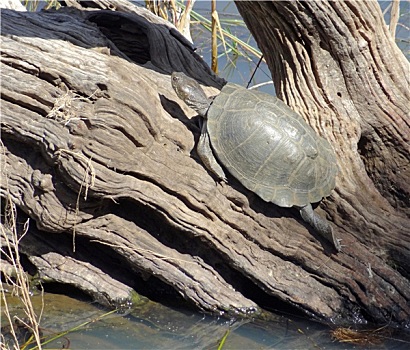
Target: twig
x=394, y=17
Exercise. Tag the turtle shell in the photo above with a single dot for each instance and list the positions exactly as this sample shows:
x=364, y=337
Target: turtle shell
x=269, y=148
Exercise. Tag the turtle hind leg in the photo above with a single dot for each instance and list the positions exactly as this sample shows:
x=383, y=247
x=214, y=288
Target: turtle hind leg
x=320, y=225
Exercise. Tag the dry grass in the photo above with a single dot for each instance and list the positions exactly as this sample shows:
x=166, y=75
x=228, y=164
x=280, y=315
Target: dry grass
x=64, y=110
x=15, y=278
x=360, y=337
x=33, y=5
x=171, y=11
x=87, y=182
x=18, y=282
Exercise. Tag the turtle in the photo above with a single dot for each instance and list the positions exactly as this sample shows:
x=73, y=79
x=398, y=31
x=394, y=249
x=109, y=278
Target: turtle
x=265, y=145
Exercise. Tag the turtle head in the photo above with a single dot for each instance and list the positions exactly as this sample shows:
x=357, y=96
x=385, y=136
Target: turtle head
x=190, y=92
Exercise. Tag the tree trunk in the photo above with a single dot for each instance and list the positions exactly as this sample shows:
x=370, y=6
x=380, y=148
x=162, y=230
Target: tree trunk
x=337, y=65
x=99, y=152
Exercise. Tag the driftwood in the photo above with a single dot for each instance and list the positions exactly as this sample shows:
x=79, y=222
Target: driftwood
x=99, y=152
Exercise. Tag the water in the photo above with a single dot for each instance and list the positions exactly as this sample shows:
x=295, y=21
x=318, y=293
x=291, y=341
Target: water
x=154, y=326
x=236, y=68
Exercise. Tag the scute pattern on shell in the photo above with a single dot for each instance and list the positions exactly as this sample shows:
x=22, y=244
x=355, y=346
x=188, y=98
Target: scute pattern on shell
x=269, y=148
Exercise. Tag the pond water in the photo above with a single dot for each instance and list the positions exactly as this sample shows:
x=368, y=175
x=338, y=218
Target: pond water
x=154, y=326
x=240, y=68
x=237, y=65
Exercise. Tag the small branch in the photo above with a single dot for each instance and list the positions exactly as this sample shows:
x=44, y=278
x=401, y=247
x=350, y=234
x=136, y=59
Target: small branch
x=215, y=21
x=394, y=17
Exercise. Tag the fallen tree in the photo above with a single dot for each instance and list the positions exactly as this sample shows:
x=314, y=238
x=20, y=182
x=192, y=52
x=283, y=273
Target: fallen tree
x=98, y=152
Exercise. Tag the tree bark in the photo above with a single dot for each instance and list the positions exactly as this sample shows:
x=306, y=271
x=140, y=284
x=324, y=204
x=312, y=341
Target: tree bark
x=99, y=152
x=337, y=65
x=338, y=59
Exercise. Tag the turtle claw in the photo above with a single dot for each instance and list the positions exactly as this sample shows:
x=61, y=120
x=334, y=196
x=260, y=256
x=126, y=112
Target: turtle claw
x=336, y=242
x=223, y=179
x=220, y=179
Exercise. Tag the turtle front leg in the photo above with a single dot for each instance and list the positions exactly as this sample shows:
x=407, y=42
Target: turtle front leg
x=204, y=151
x=320, y=225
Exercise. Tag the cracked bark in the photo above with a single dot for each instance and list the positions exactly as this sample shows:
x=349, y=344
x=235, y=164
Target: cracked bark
x=98, y=149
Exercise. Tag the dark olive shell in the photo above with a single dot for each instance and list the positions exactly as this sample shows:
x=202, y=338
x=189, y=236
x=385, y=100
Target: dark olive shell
x=269, y=148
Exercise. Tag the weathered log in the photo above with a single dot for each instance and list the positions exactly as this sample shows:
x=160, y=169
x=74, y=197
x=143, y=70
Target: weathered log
x=99, y=151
